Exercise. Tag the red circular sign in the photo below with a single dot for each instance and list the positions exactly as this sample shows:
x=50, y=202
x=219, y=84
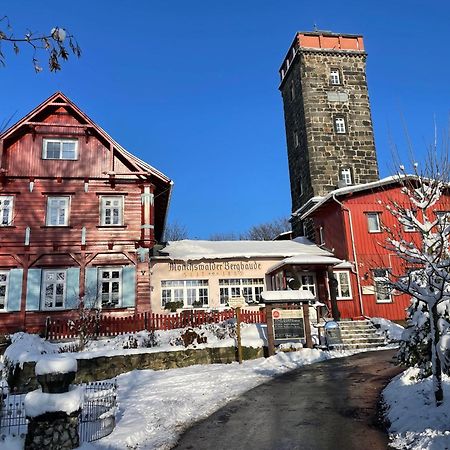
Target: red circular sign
x=276, y=314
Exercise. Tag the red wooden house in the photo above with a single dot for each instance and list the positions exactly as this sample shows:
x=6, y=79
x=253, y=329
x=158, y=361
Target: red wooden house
x=78, y=216
x=349, y=222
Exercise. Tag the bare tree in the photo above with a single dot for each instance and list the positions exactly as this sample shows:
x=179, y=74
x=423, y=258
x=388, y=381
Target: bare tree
x=425, y=260
x=231, y=236
x=175, y=231
x=269, y=230
x=57, y=44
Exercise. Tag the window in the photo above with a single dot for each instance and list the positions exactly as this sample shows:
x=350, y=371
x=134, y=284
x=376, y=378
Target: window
x=296, y=141
x=249, y=288
x=382, y=289
x=308, y=282
x=443, y=218
x=409, y=227
x=292, y=90
x=6, y=210
x=321, y=236
x=343, y=285
x=193, y=293
x=57, y=211
x=3, y=290
x=60, y=149
x=111, y=210
x=335, y=77
x=53, y=289
x=339, y=125
x=110, y=288
x=346, y=176
x=373, y=222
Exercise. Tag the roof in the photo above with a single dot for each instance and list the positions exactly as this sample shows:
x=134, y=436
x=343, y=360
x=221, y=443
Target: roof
x=306, y=260
x=351, y=189
x=187, y=250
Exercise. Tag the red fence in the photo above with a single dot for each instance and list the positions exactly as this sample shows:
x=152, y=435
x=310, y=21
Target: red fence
x=113, y=326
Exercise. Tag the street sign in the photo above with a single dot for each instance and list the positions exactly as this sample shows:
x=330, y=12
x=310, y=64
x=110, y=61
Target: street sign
x=236, y=302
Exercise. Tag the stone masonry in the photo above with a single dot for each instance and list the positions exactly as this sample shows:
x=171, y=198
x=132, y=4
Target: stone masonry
x=316, y=152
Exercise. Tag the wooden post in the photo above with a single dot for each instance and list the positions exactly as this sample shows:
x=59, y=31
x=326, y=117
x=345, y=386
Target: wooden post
x=270, y=334
x=238, y=333
x=309, y=343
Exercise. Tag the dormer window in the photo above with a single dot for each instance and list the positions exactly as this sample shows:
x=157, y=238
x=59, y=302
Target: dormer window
x=60, y=149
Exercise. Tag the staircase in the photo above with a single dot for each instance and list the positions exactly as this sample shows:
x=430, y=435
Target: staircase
x=357, y=334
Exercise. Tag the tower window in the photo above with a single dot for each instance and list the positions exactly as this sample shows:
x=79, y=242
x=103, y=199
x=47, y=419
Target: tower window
x=346, y=176
x=335, y=77
x=292, y=90
x=296, y=141
x=339, y=125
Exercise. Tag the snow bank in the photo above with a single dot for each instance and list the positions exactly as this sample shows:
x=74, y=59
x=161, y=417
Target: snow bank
x=55, y=364
x=391, y=330
x=38, y=402
x=416, y=423
x=28, y=347
x=12, y=443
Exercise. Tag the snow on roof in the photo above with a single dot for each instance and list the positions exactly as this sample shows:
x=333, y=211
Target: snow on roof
x=297, y=295
x=306, y=259
x=349, y=189
x=194, y=250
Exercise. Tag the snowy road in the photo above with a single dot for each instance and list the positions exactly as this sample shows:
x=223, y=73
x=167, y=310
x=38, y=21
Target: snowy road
x=329, y=405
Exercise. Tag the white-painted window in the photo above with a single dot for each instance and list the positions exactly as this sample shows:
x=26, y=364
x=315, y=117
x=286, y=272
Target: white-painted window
x=6, y=210
x=57, y=211
x=249, y=288
x=344, y=290
x=53, y=292
x=339, y=125
x=382, y=288
x=110, y=287
x=409, y=227
x=346, y=176
x=192, y=293
x=335, y=77
x=308, y=282
x=443, y=218
x=373, y=222
x=60, y=149
x=3, y=290
x=111, y=210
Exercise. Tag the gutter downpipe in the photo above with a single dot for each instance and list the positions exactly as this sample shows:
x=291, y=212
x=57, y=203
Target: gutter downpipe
x=358, y=282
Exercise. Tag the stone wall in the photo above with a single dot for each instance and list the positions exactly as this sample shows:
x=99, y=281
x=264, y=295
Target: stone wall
x=104, y=367
x=315, y=163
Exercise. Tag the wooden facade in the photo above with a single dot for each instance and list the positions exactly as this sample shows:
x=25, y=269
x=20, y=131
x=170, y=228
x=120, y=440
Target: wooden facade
x=341, y=225
x=78, y=218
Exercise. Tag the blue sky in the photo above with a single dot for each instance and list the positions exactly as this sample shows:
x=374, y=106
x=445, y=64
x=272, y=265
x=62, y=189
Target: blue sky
x=192, y=88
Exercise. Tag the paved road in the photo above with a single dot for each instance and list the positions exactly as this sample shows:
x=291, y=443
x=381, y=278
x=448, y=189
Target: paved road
x=326, y=406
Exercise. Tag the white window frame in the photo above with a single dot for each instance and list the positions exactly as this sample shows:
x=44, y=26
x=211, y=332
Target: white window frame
x=379, y=282
x=378, y=223
x=346, y=176
x=104, y=208
x=45, y=143
x=340, y=125
x=187, y=291
x=45, y=282
x=4, y=297
x=337, y=275
x=335, y=77
x=235, y=287
x=65, y=208
x=109, y=280
x=8, y=209
x=312, y=287
x=409, y=228
x=443, y=214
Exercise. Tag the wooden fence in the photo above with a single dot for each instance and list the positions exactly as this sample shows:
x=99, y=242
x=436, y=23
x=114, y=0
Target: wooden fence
x=113, y=326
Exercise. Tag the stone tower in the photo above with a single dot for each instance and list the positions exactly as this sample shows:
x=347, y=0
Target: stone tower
x=328, y=123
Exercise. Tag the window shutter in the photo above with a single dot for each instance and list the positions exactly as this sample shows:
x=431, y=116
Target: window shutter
x=128, y=286
x=72, y=288
x=91, y=287
x=14, y=290
x=34, y=289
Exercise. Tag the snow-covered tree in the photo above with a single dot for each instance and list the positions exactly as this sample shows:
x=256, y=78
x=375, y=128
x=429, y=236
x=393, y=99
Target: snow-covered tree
x=426, y=264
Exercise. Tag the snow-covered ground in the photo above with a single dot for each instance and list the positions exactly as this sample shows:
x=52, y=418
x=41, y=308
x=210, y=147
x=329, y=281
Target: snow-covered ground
x=416, y=423
x=155, y=407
